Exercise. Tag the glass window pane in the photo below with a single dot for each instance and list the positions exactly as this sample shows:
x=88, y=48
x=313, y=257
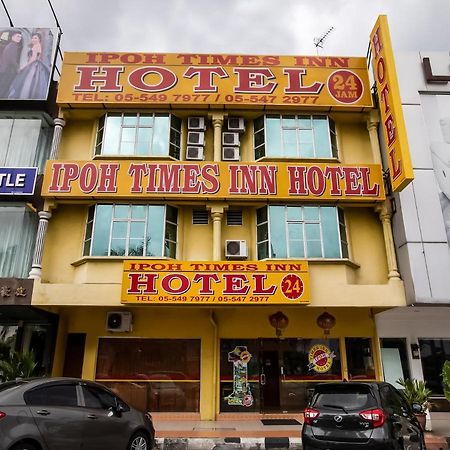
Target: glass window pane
x=314, y=249
x=118, y=247
x=294, y=213
x=277, y=223
x=171, y=214
x=137, y=230
x=130, y=120
x=145, y=135
x=138, y=211
x=262, y=233
x=170, y=249
x=136, y=247
x=331, y=243
x=146, y=120
x=121, y=211
x=119, y=230
x=312, y=231
x=128, y=134
x=295, y=231
x=305, y=122
x=288, y=121
x=161, y=136
x=296, y=249
x=273, y=139
x=100, y=238
x=311, y=213
x=127, y=148
x=155, y=230
x=322, y=137
x=171, y=232
x=263, y=250
x=290, y=143
x=111, y=135
x=261, y=215
x=259, y=138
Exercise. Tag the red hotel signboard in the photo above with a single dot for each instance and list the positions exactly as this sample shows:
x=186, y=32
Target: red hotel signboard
x=257, y=81
x=215, y=282
x=249, y=181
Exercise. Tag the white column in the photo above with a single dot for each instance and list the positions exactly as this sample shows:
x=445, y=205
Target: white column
x=59, y=125
x=36, y=267
x=372, y=127
x=217, y=234
x=217, y=120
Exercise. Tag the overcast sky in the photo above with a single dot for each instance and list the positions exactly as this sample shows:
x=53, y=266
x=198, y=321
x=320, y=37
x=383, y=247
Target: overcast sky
x=236, y=26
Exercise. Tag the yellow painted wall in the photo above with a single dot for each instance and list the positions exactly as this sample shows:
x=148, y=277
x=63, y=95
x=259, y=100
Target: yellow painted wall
x=232, y=322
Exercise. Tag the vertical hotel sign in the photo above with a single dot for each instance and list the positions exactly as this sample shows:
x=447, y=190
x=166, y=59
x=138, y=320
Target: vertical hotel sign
x=394, y=131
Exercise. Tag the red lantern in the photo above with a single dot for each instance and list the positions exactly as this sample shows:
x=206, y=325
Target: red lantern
x=279, y=321
x=326, y=321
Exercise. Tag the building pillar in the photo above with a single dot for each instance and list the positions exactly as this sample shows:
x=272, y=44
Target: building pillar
x=36, y=267
x=217, y=211
x=385, y=213
x=372, y=127
x=59, y=125
x=217, y=120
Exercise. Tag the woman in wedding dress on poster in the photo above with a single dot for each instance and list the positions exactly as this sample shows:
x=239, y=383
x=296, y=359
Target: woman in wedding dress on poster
x=32, y=80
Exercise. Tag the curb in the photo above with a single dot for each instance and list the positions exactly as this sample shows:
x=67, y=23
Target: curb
x=229, y=443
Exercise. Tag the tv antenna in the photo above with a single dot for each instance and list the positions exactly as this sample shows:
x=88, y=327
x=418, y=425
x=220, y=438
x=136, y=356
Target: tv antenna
x=318, y=42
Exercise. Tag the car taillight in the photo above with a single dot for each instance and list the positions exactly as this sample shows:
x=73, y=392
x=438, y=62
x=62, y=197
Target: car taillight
x=376, y=416
x=310, y=414
x=2, y=414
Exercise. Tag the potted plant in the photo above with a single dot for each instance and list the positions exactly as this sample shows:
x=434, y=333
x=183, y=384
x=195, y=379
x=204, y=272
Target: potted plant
x=446, y=379
x=417, y=395
x=17, y=365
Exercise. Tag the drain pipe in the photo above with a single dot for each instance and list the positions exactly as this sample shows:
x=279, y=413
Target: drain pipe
x=212, y=319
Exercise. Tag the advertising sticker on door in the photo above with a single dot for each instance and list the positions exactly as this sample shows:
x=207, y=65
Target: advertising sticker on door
x=320, y=358
x=241, y=395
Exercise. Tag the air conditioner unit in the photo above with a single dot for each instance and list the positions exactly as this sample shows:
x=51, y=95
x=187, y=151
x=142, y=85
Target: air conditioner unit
x=230, y=154
x=119, y=321
x=196, y=123
x=236, y=124
x=236, y=249
x=196, y=138
x=231, y=139
x=194, y=153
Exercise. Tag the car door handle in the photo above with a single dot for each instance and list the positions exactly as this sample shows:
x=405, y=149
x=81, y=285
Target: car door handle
x=43, y=412
x=92, y=416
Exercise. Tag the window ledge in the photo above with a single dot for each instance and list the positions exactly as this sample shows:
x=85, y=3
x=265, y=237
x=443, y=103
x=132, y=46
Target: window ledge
x=297, y=160
x=136, y=157
x=105, y=259
x=320, y=261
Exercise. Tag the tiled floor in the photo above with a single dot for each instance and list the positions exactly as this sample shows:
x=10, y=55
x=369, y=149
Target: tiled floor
x=189, y=432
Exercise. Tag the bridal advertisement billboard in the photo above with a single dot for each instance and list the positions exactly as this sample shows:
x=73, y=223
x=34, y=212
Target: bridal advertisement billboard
x=26, y=61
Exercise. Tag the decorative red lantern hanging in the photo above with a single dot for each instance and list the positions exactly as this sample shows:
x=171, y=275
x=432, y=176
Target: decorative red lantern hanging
x=326, y=321
x=279, y=321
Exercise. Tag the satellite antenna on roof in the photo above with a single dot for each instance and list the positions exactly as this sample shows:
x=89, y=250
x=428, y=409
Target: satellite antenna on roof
x=318, y=42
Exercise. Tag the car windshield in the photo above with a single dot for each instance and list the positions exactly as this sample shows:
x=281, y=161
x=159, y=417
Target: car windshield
x=345, y=398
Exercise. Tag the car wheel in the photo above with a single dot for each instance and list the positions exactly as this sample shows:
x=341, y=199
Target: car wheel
x=24, y=446
x=139, y=441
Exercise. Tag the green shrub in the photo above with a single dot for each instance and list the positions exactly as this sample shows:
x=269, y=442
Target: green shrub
x=17, y=365
x=446, y=379
x=415, y=392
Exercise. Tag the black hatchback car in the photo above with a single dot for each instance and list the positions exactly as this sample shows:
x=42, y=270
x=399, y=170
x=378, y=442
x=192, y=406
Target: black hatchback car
x=69, y=414
x=357, y=416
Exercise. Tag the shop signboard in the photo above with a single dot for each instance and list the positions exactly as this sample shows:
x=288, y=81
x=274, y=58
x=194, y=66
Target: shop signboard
x=392, y=120
x=17, y=180
x=219, y=79
x=145, y=180
x=26, y=60
x=233, y=283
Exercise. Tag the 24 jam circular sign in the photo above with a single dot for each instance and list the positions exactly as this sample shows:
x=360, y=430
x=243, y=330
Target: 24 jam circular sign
x=292, y=286
x=345, y=86
x=320, y=358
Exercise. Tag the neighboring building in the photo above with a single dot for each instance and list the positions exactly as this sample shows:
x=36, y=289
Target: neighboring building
x=418, y=336
x=27, y=110
x=219, y=238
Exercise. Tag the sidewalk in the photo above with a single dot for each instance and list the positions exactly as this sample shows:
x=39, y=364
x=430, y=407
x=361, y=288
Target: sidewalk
x=187, y=432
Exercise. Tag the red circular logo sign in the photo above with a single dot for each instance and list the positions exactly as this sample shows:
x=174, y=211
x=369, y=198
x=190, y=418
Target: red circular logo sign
x=292, y=286
x=345, y=86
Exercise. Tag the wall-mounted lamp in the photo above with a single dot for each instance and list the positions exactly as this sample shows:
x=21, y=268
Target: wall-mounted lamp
x=326, y=321
x=415, y=351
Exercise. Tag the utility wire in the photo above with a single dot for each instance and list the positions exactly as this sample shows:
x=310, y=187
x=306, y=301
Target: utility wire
x=7, y=13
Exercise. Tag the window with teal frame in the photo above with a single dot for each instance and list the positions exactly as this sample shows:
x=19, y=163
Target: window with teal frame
x=301, y=232
x=138, y=134
x=131, y=230
x=294, y=136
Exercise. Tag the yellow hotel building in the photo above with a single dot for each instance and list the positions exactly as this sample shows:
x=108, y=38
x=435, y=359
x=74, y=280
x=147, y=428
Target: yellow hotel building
x=216, y=237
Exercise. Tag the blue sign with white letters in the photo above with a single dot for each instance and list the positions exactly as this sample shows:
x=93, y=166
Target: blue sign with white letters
x=17, y=180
